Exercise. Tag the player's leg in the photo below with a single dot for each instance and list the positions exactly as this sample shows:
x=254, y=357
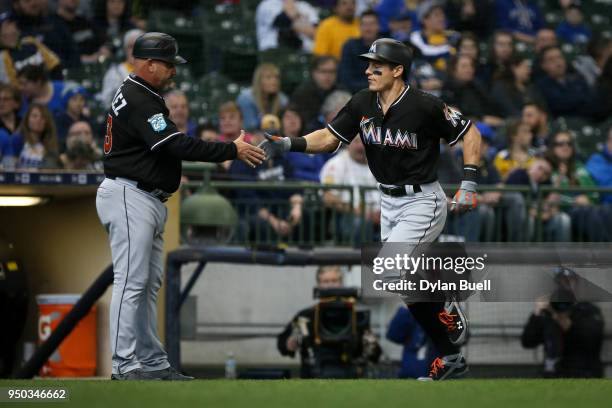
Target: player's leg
x=130, y=224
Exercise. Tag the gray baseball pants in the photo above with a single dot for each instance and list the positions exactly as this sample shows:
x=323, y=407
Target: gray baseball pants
x=135, y=223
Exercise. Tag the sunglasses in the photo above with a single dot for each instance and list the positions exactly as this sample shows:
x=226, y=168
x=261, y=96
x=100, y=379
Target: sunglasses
x=559, y=144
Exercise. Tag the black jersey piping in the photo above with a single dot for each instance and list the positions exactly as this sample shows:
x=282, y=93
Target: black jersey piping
x=467, y=126
x=164, y=139
x=127, y=275
x=430, y=221
x=145, y=87
x=338, y=135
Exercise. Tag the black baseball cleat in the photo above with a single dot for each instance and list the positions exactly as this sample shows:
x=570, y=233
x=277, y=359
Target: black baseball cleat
x=134, y=375
x=168, y=374
x=447, y=368
x=455, y=321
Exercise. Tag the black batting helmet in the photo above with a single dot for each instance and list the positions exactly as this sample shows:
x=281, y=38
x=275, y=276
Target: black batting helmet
x=157, y=46
x=390, y=51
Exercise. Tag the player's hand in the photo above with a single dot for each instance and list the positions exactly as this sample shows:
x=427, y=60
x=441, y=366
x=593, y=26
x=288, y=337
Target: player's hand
x=275, y=145
x=465, y=198
x=248, y=153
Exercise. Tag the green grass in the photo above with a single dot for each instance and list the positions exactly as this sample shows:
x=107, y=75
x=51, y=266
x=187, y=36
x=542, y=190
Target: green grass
x=334, y=393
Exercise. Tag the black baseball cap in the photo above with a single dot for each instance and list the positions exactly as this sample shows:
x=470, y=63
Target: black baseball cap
x=157, y=46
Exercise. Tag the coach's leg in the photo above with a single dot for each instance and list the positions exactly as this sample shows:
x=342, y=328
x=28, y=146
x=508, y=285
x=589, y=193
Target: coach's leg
x=151, y=351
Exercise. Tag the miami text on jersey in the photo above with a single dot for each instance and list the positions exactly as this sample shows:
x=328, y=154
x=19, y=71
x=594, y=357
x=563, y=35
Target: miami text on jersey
x=371, y=134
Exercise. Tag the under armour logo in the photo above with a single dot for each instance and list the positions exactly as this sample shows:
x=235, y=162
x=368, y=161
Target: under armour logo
x=373, y=48
x=459, y=325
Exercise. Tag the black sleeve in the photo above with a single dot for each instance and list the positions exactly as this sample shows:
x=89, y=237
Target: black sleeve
x=281, y=341
x=345, y=125
x=533, y=332
x=152, y=124
x=189, y=148
x=448, y=122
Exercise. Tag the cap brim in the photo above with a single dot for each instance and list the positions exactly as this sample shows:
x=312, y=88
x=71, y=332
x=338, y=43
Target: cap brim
x=371, y=56
x=179, y=60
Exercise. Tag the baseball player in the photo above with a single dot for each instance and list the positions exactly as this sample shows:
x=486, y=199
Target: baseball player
x=142, y=163
x=401, y=129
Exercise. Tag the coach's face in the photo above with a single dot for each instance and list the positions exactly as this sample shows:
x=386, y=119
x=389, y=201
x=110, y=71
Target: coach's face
x=381, y=76
x=162, y=73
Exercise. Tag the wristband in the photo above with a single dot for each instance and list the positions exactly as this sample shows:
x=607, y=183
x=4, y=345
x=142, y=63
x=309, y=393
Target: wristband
x=470, y=172
x=298, y=144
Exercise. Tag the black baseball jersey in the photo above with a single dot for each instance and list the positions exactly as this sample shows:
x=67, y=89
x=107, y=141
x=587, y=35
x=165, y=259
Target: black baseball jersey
x=143, y=144
x=403, y=146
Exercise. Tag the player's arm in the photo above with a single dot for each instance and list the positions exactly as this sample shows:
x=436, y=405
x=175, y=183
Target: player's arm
x=465, y=197
x=319, y=141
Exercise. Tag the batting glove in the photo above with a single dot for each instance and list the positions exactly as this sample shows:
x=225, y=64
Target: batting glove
x=275, y=145
x=465, y=198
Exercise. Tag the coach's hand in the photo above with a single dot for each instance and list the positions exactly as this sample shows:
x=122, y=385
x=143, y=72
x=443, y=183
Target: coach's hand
x=248, y=153
x=465, y=198
x=274, y=145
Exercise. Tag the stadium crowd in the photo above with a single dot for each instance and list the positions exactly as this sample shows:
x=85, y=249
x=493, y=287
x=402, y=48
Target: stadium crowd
x=535, y=77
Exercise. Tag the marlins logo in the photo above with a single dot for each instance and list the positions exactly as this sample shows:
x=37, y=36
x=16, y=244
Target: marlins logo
x=157, y=122
x=452, y=115
x=373, y=48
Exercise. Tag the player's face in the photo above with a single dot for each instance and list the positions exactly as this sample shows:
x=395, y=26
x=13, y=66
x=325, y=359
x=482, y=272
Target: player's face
x=380, y=76
x=331, y=278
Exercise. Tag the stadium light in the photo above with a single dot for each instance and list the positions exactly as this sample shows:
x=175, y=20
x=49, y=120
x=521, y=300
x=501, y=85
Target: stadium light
x=22, y=201
x=206, y=216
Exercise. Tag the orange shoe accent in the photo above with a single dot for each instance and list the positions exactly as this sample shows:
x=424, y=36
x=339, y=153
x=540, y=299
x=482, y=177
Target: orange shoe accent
x=448, y=320
x=438, y=364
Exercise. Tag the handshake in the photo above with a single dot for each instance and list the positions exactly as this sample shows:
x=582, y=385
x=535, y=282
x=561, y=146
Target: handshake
x=255, y=155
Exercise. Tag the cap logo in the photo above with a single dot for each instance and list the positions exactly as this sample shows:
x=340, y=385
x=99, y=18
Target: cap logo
x=373, y=48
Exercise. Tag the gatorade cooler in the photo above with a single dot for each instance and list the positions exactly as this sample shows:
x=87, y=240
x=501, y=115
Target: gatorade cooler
x=76, y=355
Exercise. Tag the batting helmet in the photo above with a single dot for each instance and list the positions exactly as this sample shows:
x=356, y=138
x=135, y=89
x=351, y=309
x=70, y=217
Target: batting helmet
x=157, y=46
x=390, y=51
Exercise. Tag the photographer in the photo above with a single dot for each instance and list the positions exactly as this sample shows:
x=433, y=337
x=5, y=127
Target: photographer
x=571, y=331
x=332, y=342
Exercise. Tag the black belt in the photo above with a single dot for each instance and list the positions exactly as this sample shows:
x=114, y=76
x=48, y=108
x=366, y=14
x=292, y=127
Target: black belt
x=399, y=191
x=158, y=193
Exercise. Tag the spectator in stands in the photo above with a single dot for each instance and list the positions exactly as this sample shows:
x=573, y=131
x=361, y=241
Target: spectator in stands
x=475, y=16
x=424, y=77
x=304, y=166
x=89, y=42
x=603, y=102
x=512, y=92
x=599, y=166
x=565, y=93
x=468, y=45
x=33, y=19
x=572, y=29
x=556, y=224
x=520, y=153
x=74, y=110
x=400, y=27
x=230, y=125
x=335, y=30
x=178, y=107
x=330, y=108
x=501, y=51
x=568, y=171
x=590, y=65
x=81, y=153
x=545, y=37
x=434, y=43
x=535, y=115
x=113, y=78
x=207, y=131
x=488, y=175
x=521, y=17
x=570, y=331
x=309, y=96
x=39, y=140
x=36, y=86
x=285, y=23
x=352, y=67
x=465, y=92
x=350, y=167
x=264, y=96
x=10, y=102
x=388, y=10
x=112, y=17
x=417, y=350
x=18, y=52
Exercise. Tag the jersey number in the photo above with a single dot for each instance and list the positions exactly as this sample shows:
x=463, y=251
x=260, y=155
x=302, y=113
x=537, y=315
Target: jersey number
x=108, y=138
